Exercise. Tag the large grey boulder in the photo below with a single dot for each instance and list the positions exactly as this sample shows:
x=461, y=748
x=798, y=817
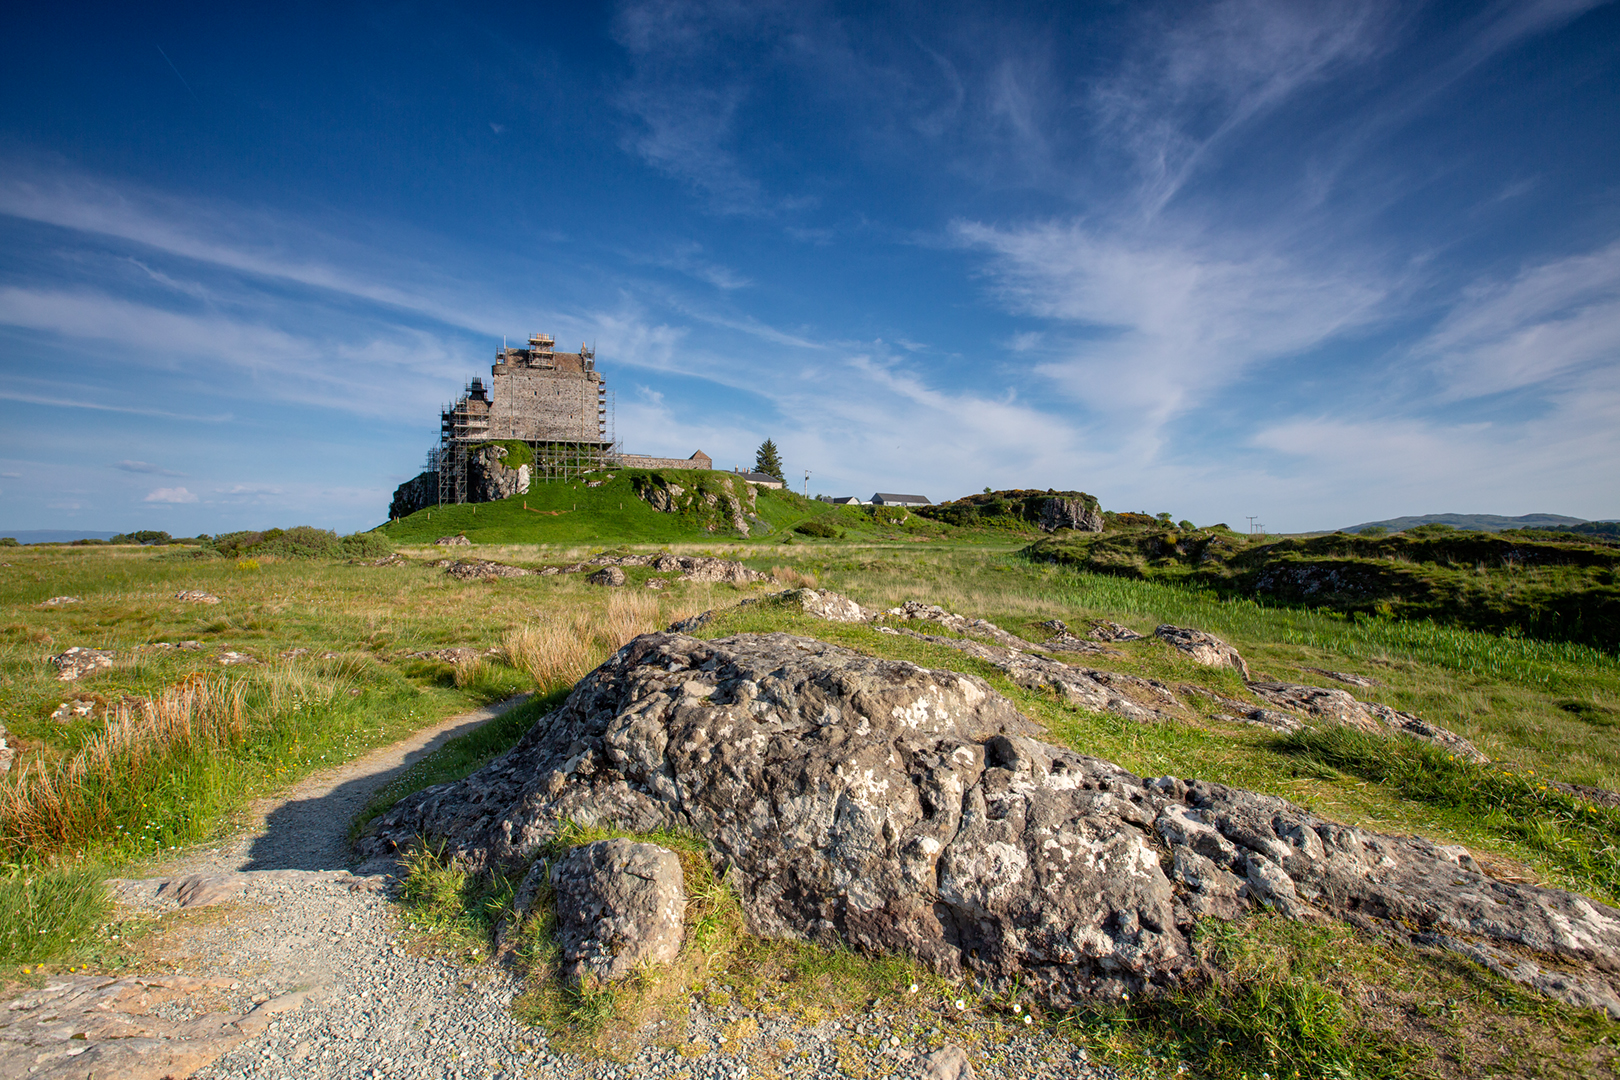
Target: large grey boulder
x=900, y=809
x=620, y=905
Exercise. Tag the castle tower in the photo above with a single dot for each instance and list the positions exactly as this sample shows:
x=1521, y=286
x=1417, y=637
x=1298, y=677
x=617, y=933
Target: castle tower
x=556, y=402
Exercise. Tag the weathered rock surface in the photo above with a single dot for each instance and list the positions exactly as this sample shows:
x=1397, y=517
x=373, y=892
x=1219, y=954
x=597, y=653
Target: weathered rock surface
x=1067, y=642
x=902, y=809
x=1206, y=649
x=488, y=478
x=608, y=575
x=60, y=601
x=7, y=754
x=825, y=605
x=1343, y=676
x=79, y=661
x=1070, y=514
x=620, y=904
x=1114, y=692
x=691, y=567
x=196, y=596
x=93, y=1026
x=1338, y=707
x=1103, y=630
x=483, y=569
x=917, y=610
x=417, y=493
x=453, y=541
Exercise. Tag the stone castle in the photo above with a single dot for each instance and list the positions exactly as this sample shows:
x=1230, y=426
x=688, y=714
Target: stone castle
x=556, y=403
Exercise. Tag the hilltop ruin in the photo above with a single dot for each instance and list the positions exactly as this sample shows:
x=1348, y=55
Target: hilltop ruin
x=544, y=415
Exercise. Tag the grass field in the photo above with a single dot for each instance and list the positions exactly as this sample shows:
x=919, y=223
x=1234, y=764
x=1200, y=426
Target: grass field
x=171, y=743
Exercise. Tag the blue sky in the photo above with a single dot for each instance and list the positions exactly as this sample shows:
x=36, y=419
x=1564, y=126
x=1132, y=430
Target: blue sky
x=1318, y=263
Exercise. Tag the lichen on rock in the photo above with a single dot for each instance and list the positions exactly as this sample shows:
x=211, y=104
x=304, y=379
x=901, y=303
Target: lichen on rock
x=896, y=808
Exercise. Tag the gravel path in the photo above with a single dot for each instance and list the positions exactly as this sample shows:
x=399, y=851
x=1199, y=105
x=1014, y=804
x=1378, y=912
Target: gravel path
x=305, y=972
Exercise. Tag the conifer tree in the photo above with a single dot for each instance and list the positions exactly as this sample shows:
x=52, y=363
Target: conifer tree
x=767, y=461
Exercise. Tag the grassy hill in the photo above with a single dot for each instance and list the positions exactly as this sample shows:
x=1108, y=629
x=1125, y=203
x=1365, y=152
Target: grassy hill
x=621, y=511
x=570, y=512
x=1472, y=522
x=1565, y=589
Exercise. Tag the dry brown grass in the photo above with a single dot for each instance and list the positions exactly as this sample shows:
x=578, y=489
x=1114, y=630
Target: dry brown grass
x=793, y=579
x=562, y=650
x=47, y=806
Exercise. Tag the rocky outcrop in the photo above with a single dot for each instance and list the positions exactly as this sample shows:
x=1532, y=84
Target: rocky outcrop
x=1103, y=630
x=61, y=601
x=899, y=809
x=488, y=478
x=196, y=596
x=1206, y=649
x=1142, y=700
x=961, y=624
x=417, y=493
x=78, y=1027
x=611, y=576
x=1070, y=514
x=7, y=754
x=701, y=568
x=79, y=661
x=620, y=905
x=483, y=570
x=1337, y=706
x=459, y=540
x=714, y=501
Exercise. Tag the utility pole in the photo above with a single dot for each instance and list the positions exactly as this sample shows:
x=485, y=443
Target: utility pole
x=807, y=483
x=1253, y=528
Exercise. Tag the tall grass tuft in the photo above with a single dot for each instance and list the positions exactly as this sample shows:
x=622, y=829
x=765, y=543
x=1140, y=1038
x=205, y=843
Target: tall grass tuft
x=45, y=912
x=557, y=653
x=793, y=579
x=67, y=802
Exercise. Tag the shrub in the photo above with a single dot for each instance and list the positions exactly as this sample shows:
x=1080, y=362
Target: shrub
x=818, y=528
x=302, y=542
x=9, y=541
x=1185, y=526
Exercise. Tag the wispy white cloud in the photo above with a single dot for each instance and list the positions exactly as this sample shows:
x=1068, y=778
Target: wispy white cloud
x=78, y=403
x=173, y=495
x=1553, y=318
x=145, y=467
x=1164, y=322
x=372, y=377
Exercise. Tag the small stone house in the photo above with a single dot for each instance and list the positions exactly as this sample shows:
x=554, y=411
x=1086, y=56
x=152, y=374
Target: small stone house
x=765, y=480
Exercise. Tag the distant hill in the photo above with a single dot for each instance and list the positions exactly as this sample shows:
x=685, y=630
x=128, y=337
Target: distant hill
x=1474, y=522
x=55, y=536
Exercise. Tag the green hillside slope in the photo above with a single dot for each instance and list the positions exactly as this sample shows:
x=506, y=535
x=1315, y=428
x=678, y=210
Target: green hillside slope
x=1565, y=590
x=566, y=512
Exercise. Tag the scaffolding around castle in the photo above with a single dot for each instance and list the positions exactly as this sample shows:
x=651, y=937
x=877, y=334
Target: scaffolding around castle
x=464, y=428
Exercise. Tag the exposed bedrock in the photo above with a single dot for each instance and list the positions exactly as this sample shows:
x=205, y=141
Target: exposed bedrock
x=904, y=809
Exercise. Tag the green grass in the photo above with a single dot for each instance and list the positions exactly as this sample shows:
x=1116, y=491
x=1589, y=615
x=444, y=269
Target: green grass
x=1557, y=589
x=1545, y=708
x=1572, y=833
x=49, y=913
